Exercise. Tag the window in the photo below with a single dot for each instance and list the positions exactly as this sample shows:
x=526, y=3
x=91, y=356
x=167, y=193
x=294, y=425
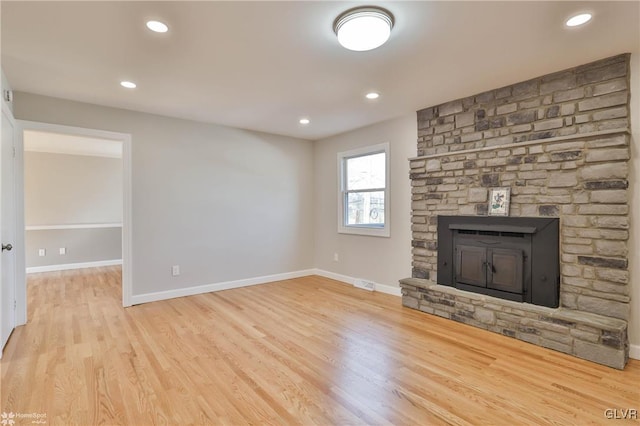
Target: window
x=364, y=191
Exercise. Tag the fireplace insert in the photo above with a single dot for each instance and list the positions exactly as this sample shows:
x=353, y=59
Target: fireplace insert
x=513, y=258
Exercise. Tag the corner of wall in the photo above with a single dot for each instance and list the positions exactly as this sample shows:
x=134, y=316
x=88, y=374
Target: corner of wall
x=634, y=187
x=378, y=259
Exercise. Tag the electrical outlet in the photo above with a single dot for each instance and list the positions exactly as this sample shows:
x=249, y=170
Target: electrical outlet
x=63, y=250
x=42, y=252
x=175, y=270
x=336, y=258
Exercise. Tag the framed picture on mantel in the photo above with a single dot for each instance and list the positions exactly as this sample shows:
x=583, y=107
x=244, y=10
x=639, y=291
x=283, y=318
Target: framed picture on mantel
x=499, y=201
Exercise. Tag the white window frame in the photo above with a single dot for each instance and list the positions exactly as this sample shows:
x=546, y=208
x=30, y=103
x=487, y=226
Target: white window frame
x=370, y=230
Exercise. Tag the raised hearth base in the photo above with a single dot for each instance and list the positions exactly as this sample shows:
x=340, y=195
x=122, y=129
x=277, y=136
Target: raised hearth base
x=585, y=335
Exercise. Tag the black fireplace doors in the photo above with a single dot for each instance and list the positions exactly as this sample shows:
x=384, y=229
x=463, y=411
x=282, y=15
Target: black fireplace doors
x=510, y=258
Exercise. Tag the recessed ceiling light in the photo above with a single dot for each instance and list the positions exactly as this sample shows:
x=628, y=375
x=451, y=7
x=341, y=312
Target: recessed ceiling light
x=157, y=26
x=128, y=84
x=577, y=20
x=363, y=28
x=372, y=95
x=304, y=121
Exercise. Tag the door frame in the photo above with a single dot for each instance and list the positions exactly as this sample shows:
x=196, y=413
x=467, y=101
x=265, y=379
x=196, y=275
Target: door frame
x=125, y=139
x=6, y=111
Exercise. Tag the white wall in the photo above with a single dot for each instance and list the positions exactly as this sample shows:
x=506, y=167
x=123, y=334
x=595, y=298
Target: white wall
x=634, y=189
x=62, y=189
x=379, y=259
x=225, y=204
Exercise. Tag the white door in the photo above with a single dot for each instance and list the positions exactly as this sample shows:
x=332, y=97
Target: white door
x=7, y=228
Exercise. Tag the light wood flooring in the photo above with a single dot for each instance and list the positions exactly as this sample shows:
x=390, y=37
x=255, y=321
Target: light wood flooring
x=302, y=351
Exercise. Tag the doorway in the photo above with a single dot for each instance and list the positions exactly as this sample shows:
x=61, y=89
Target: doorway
x=25, y=129
x=72, y=200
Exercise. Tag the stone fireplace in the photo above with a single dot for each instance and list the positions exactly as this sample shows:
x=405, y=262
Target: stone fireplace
x=561, y=144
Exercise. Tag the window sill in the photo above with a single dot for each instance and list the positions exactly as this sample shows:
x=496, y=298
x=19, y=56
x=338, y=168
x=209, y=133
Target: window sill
x=366, y=231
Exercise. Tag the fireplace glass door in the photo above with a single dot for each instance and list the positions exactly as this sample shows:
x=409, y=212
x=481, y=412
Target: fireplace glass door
x=505, y=270
x=494, y=268
x=471, y=265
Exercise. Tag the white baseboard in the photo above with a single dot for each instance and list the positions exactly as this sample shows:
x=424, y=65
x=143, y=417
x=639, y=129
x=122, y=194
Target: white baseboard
x=73, y=226
x=67, y=266
x=382, y=288
x=634, y=351
x=137, y=299
x=227, y=285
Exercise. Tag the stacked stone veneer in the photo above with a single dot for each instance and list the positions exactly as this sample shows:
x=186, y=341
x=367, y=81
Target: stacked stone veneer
x=561, y=143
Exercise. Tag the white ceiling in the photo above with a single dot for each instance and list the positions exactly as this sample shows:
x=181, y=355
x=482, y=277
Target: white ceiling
x=263, y=65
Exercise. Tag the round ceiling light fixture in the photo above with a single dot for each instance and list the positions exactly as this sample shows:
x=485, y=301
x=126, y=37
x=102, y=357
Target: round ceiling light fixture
x=372, y=95
x=304, y=121
x=578, y=20
x=363, y=28
x=128, y=84
x=157, y=26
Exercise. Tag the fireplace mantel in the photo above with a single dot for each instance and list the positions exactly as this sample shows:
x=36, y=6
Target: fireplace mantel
x=567, y=138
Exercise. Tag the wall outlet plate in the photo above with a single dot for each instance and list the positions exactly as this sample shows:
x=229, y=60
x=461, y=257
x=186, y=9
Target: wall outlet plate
x=175, y=270
x=63, y=250
x=42, y=252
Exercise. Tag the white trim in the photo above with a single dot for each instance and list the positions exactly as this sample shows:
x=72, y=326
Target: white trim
x=634, y=351
x=72, y=226
x=68, y=266
x=207, y=288
x=66, y=144
x=388, y=289
x=338, y=277
x=382, y=288
x=72, y=130
x=20, y=256
x=368, y=230
x=127, y=222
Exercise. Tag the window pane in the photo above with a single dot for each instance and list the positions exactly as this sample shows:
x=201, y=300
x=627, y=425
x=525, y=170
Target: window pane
x=366, y=172
x=365, y=208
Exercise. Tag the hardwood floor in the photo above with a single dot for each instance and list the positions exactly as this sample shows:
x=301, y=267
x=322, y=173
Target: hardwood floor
x=302, y=351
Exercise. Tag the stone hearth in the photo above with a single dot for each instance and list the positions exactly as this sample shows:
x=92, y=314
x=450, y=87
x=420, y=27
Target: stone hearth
x=561, y=143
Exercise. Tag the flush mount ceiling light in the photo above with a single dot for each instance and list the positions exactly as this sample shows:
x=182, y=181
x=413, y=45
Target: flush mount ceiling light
x=578, y=20
x=372, y=95
x=128, y=84
x=304, y=121
x=363, y=28
x=157, y=26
